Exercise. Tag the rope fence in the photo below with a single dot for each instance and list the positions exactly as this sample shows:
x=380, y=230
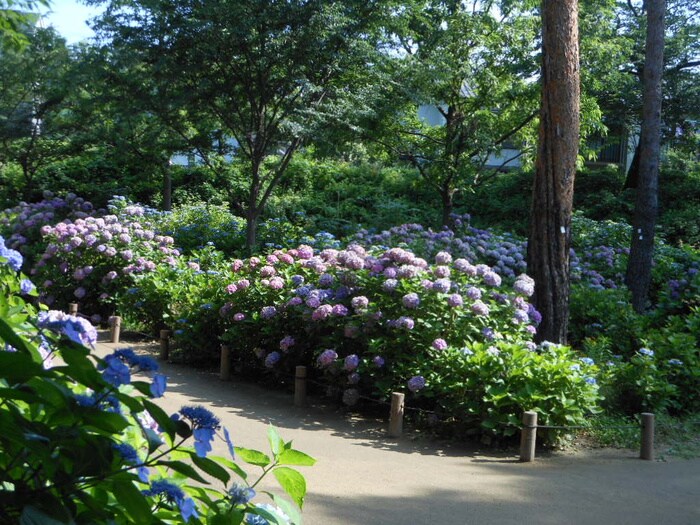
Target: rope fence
x=397, y=407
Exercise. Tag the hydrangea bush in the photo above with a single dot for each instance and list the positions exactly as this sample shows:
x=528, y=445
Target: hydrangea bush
x=83, y=443
x=371, y=322
x=93, y=259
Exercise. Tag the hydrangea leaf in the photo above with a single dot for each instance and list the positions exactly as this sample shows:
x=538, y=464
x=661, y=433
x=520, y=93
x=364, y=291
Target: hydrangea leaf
x=292, y=482
x=295, y=457
x=252, y=457
x=212, y=468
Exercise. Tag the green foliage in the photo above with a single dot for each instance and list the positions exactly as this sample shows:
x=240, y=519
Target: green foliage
x=340, y=197
x=493, y=385
x=679, y=195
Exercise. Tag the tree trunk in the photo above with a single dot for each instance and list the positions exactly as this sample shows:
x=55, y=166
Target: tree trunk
x=632, y=179
x=552, y=196
x=638, y=276
x=251, y=230
x=447, y=207
x=167, y=188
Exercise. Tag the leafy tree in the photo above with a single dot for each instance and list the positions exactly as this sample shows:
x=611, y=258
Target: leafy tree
x=550, y=231
x=471, y=65
x=241, y=77
x=33, y=93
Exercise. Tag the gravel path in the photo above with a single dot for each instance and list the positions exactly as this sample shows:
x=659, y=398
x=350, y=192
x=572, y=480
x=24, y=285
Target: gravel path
x=364, y=478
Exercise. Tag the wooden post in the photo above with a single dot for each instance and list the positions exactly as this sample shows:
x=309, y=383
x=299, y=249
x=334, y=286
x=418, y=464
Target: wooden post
x=116, y=327
x=300, y=386
x=164, y=344
x=647, y=450
x=72, y=308
x=396, y=415
x=225, y=370
x=528, y=437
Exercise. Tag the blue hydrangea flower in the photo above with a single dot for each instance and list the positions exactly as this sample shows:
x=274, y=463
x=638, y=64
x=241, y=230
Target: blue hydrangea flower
x=204, y=425
x=26, y=286
x=127, y=452
x=173, y=494
x=240, y=494
x=116, y=373
x=158, y=385
x=646, y=352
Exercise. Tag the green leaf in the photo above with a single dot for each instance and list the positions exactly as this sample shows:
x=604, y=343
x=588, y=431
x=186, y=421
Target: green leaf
x=295, y=457
x=33, y=516
x=276, y=443
x=161, y=417
x=185, y=469
x=252, y=457
x=135, y=503
x=231, y=517
x=212, y=468
x=292, y=482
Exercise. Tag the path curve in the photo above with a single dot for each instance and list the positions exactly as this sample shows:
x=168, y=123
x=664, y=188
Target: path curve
x=364, y=478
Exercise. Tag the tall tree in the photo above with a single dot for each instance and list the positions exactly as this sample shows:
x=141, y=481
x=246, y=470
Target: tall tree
x=243, y=77
x=34, y=88
x=552, y=196
x=638, y=277
x=462, y=76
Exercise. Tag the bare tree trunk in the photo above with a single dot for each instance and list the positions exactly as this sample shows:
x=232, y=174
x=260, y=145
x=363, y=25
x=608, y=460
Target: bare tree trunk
x=638, y=276
x=552, y=195
x=167, y=187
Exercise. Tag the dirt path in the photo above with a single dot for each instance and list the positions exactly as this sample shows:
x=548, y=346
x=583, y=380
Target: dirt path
x=364, y=478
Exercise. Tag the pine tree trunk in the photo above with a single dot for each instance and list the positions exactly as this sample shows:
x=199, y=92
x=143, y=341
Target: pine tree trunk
x=638, y=276
x=552, y=196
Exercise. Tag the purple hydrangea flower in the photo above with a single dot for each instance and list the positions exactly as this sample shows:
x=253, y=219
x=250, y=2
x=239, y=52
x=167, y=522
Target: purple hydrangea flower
x=442, y=285
x=359, y=303
x=286, y=343
x=455, y=300
x=416, y=383
x=480, y=308
x=351, y=362
x=268, y=312
x=272, y=359
x=378, y=361
x=322, y=312
x=443, y=258
x=524, y=285
x=327, y=358
x=439, y=344
x=411, y=300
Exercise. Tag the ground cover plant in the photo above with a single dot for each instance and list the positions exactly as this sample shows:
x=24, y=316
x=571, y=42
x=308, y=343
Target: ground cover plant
x=83, y=442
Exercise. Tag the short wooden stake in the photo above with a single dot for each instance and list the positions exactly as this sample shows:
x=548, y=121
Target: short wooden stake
x=528, y=436
x=647, y=449
x=225, y=369
x=72, y=308
x=300, y=386
x=396, y=415
x=116, y=327
x=164, y=344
